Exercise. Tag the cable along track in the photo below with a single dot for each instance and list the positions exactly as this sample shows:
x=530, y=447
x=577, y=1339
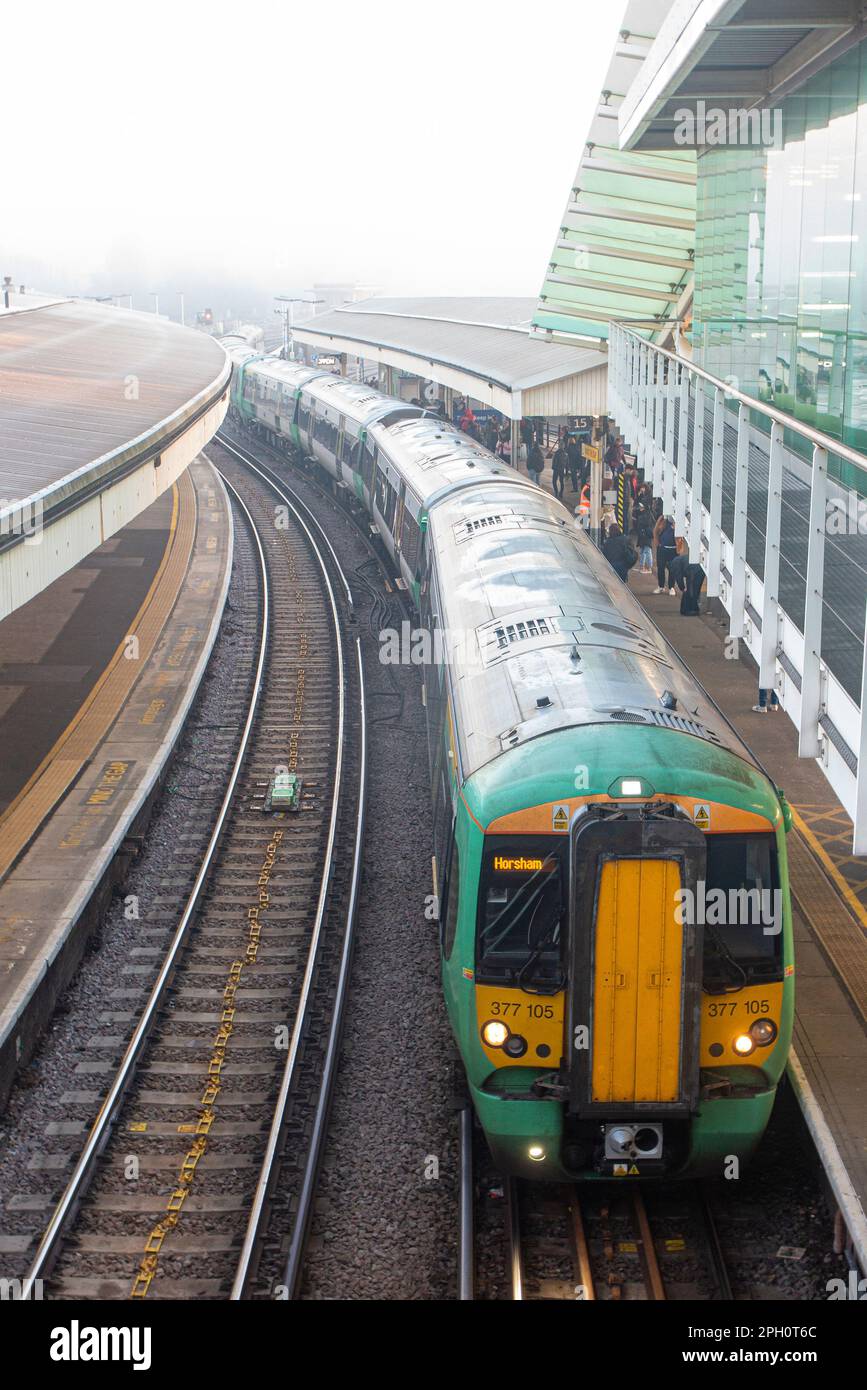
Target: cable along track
x=197, y=1177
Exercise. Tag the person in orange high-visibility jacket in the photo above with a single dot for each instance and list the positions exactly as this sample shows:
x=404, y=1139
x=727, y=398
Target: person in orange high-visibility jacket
x=582, y=511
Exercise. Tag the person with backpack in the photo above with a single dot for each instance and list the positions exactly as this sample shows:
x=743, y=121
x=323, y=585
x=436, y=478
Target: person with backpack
x=535, y=463
x=618, y=552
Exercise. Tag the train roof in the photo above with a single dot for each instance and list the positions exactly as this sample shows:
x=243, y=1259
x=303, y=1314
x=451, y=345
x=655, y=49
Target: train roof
x=431, y=455
x=541, y=635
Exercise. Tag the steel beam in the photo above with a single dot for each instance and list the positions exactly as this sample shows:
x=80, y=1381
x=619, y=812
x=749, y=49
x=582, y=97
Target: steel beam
x=739, y=536
x=809, y=741
x=771, y=600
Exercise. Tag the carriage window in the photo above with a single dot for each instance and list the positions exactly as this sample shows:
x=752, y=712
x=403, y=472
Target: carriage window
x=367, y=464
x=410, y=539
x=450, y=907
x=522, y=910
x=385, y=498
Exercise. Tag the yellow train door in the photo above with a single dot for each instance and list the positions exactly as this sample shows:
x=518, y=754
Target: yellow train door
x=637, y=983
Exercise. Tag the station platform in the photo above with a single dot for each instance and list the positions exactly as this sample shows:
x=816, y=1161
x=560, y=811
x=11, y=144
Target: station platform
x=101, y=410
x=77, y=792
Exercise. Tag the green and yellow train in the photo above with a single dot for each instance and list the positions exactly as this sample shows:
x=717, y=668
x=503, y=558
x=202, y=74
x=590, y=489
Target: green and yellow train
x=609, y=859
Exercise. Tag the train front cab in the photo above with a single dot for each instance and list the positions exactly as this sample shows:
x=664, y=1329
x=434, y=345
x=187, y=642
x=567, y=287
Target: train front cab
x=624, y=1026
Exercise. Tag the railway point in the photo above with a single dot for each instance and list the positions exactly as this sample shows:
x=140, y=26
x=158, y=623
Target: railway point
x=433, y=780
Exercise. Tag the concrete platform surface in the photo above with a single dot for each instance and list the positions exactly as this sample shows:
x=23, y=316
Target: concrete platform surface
x=49, y=900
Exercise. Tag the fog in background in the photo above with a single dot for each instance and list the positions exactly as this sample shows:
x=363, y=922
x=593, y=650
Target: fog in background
x=239, y=151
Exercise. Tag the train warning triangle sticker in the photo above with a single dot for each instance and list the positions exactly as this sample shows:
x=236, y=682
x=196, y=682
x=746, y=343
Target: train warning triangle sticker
x=560, y=818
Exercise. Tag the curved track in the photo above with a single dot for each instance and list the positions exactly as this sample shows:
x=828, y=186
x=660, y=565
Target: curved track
x=207, y=1142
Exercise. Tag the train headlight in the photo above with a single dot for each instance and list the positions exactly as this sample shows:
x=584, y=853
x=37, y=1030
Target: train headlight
x=763, y=1031
x=515, y=1045
x=494, y=1033
x=536, y=1152
x=744, y=1045
x=630, y=786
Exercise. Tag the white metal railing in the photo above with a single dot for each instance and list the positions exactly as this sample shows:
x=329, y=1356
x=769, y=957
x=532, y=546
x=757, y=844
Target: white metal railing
x=646, y=384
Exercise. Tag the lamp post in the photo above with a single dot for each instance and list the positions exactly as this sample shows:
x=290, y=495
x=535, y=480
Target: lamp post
x=289, y=318
x=183, y=320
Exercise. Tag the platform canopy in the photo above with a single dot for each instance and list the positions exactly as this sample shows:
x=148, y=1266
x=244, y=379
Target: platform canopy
x=624, y=247
x=731, y=54
x=480, y=347
x=101, y=410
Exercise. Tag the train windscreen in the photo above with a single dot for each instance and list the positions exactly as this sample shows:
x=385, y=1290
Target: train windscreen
x=522, y=910
x=739, y=908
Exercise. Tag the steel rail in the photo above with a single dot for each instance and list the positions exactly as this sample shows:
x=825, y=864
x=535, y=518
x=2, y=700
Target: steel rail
x=582, y=1249
x=652, y=1272
x=292, y=1276
x=108, y=1112
x=513, y=1236
x=251, y=1236
x=720, y=1268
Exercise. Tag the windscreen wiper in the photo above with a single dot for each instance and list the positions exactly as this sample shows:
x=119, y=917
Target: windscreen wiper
x=740, y=975
x=552, y=987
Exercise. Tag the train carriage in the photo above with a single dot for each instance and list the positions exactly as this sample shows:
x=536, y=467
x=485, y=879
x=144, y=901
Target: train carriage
x=610, y=861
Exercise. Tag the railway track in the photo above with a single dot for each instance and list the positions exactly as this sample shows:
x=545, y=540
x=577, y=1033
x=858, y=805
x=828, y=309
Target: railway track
x=196, y=1178
x=593, y=1242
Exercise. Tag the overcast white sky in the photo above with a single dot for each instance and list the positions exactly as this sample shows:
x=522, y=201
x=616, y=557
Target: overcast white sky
x=424, y=147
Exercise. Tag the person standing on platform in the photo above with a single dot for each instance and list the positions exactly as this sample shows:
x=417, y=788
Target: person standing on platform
x=666, y=549
x=535, y=463
x=643, y=523
x=767, y=700
x=614, y=457
x=560, y=462
x=492, y=435
x=618, y=552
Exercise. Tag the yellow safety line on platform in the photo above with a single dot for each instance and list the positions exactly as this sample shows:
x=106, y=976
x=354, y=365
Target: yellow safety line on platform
x=89, y=726
x=830, y=868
